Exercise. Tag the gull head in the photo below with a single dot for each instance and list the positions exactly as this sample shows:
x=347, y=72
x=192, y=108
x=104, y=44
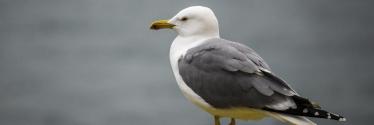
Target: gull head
x=191, y=21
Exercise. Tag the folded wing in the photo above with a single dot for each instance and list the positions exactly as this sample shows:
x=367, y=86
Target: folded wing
x=227, y=74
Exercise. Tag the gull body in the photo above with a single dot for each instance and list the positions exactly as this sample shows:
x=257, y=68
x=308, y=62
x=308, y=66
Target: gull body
x=178, y=49
x=229, y=79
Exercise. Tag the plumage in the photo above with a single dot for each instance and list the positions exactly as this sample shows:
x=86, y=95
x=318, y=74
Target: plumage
x=229, y=79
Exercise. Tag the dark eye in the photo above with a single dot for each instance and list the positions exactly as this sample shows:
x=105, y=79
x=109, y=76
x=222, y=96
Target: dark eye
x=184, y=19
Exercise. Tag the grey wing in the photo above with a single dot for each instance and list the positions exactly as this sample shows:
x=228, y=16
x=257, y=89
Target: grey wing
x=264, y=67
x=225, y=76
x=251, y=54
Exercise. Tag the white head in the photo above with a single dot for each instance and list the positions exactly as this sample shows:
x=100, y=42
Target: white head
x=192, y=21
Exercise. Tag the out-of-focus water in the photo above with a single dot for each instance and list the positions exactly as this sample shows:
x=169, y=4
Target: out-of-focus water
x=95, y=62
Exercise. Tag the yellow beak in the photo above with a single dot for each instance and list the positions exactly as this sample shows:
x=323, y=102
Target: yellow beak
x=161, y=24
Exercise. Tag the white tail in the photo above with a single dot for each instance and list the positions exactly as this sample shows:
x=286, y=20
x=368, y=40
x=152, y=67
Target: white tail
x=291, y=119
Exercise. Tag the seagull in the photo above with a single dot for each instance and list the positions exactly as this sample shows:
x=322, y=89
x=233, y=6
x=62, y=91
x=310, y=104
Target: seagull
x=228, y=79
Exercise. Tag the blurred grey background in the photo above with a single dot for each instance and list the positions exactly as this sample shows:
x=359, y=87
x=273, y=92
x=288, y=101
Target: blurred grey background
x=95, y=62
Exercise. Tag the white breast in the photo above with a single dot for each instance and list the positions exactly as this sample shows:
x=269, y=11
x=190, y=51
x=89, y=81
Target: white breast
x=178, y=48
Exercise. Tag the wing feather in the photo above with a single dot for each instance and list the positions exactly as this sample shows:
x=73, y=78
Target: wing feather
x=229, y=74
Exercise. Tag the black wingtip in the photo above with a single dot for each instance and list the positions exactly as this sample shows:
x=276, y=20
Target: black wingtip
x=310, y=112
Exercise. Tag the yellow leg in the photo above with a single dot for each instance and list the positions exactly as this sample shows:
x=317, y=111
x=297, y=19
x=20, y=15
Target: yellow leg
x=232, y=122
x=216, y=120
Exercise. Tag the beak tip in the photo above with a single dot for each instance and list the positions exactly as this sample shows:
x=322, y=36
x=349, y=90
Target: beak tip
x=154, y=27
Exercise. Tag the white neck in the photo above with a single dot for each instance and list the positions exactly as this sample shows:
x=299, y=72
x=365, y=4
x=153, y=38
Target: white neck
x=181, y=44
